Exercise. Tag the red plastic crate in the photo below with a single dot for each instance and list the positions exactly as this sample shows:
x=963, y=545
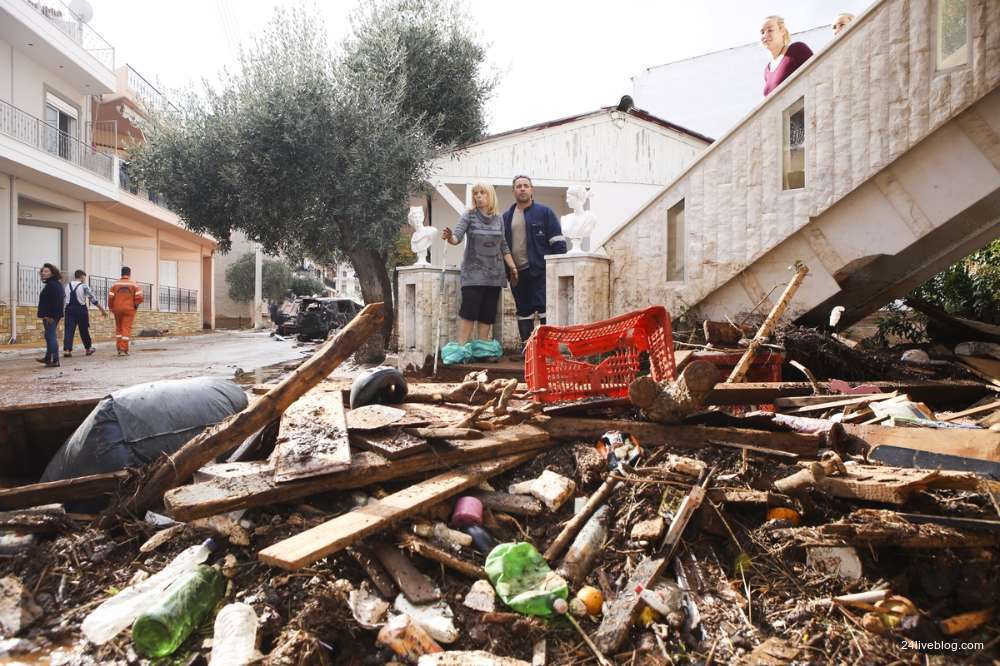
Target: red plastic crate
x=552, y=375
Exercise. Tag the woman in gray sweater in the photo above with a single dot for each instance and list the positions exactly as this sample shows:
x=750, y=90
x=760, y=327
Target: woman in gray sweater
x=486, y=253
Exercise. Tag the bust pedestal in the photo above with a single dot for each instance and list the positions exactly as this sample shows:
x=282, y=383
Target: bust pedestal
x=577, y=288
x=419, y=309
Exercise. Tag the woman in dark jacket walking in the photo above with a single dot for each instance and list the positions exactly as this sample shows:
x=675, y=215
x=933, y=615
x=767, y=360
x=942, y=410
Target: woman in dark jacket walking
x=50, y=310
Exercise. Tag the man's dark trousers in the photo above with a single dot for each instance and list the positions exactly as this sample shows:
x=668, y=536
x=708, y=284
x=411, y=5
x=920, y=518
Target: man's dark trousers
x=76, y=315
x=529, y=298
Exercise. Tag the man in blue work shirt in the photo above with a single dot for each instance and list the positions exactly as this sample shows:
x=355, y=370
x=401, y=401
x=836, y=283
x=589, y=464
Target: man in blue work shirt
x=533, y=231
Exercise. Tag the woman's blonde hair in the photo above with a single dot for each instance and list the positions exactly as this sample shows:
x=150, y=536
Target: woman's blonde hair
x=786, y=36
x=491, y=198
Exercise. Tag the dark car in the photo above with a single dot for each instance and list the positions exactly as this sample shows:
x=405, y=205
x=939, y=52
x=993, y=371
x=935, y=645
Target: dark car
x=316, y=317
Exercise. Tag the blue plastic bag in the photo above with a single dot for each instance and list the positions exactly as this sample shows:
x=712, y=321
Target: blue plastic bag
x=453, y=353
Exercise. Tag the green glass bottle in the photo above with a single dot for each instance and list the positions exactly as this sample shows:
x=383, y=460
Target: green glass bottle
x=161, y=630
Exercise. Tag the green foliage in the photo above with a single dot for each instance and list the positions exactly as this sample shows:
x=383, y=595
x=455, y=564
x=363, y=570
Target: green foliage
x=897, y=322
x=307, y=285
x=969, y=288
x=241, y=274
x=313, y=154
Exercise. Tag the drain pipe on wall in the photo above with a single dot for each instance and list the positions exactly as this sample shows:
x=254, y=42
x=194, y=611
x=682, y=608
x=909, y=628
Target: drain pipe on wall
x=12, y=272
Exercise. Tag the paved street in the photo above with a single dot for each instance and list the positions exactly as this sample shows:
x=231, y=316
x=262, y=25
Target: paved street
x=217, y=354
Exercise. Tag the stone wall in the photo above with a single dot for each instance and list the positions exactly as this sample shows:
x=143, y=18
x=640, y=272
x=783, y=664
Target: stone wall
x=29, y=327
x=870, y=97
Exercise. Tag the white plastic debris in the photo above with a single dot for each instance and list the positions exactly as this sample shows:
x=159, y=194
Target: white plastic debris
x=436, y=619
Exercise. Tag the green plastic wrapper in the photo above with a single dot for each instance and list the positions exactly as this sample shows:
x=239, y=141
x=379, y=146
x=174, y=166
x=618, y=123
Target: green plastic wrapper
x=453, y=353
x=186, y=603
x=484, y=349
x=523, y=579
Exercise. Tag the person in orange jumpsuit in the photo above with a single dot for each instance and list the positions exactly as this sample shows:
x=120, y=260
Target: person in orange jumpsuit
x=123, y=301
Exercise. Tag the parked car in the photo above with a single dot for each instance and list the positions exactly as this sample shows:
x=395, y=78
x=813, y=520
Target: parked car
x=316, y=317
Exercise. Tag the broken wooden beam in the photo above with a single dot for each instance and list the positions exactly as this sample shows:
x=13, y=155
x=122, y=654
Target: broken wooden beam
x=169, y=471
x=415, y=586
x=756, y=393
x=259, y=488
x=652, y=435
x=431, y=552
x=521, y=505
x=375, y=571
x=981, y=444
x=621, y=613
x=870, y=527
x=392, y=444
x=336, y=534
x=64, y=490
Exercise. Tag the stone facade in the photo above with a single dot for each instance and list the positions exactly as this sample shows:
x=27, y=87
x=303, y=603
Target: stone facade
x=29, y=327
x=420, y=308
x=576, y=288
x=871, y=96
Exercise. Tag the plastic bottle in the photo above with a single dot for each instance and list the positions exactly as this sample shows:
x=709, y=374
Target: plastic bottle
x=482, y=540
x=161, y=629
x=118, y=612
x=585, y=547
x=407, y=639
x=234, y=637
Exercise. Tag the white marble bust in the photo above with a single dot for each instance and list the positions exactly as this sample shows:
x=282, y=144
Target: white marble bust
x=422, y=237
x=579, y=224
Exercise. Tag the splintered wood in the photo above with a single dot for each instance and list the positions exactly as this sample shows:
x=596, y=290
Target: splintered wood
x=313, y=437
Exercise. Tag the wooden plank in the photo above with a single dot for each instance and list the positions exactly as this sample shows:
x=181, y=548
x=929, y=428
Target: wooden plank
x=868, y=527
x=334, y=535
x=973, y=411
x=756, y=393
x=891, y=485
x=393, y=443
x=843, y=402
x=806, y=400
x=206, y=499
x=988, y=368
x=414, y=585
x=82, y=487
x=373, y=417
x=521, y=505
x=748, y=496
x=424, y=549
x=621, y=614
x=652, y=435
x=313, y=437
x=982, y=444
x=376, y=573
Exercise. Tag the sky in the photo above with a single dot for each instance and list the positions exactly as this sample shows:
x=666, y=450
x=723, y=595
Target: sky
x=555, y=58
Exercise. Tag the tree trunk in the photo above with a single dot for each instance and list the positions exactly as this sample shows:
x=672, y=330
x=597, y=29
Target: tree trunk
x=376, y=285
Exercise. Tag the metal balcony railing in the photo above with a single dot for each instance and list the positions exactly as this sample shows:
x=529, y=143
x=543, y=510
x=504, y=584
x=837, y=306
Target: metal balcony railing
x=29, y=284
x=76, y=28
x=102, y=135
x=26, y=128
x=101, y=286
x=175, y=299
x=144, y=91
x=130, y=183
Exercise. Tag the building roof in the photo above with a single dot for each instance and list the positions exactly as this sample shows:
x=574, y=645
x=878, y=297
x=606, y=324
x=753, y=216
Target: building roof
x=636, y=113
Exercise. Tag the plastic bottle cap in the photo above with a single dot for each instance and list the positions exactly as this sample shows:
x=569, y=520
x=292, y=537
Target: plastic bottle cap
x=560, y=606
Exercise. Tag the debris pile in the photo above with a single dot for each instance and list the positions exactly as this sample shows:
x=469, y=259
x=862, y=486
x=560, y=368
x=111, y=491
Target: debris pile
x=466, y=524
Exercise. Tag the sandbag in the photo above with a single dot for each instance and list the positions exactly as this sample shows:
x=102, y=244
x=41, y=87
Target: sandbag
x=134, y=426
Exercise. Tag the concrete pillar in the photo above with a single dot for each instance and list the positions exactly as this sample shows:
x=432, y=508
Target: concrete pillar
x=422, y=304
x=258, y=284
x=577, y=288
x=10, y=262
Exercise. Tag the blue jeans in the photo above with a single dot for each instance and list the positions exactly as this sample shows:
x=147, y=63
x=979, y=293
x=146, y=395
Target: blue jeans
x=76, y=316
x=51, y=343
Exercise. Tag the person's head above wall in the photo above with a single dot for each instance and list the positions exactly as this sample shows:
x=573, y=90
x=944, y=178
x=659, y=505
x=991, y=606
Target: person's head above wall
x=841, y=22
x=126, y=271
x=774, y=35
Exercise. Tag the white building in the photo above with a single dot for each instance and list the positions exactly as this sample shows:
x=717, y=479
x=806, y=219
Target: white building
x=625, y=158
x=65, y=196
x=710, y=92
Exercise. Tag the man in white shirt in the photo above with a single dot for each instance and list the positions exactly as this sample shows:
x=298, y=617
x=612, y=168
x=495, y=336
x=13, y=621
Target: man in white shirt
x=78, y=294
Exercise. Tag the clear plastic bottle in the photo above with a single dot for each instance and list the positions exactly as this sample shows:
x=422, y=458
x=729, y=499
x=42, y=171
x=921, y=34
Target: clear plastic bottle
x=585, y=547
x=118, y=612
x=160, y=630
x=235, y=636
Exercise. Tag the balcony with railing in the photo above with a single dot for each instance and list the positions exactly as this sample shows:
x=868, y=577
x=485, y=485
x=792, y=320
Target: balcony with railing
x=27, y=129
x=130, y=183
x=142, y=91
x=75, y=27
